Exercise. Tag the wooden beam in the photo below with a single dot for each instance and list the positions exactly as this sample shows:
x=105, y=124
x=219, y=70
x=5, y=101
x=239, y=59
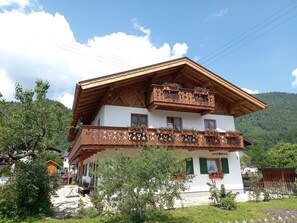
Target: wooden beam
x=234, y=106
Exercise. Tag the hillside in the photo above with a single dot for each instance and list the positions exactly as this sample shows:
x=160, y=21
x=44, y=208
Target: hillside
x=277, y=123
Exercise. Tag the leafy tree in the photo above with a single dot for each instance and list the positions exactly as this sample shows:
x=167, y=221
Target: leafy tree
x=28, y=192
x=32, y=126
x=259, y=157
x=280, y=155
x=143, y=186
x=283, y=155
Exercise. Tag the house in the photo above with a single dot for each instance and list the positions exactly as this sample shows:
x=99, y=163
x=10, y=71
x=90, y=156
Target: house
x=52, y=167
x=177, y=104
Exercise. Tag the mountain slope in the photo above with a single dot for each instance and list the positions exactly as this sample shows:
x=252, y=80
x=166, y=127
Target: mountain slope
x=277, y=123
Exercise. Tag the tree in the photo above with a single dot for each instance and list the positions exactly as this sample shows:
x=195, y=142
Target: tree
x=28, y=193
x=283, y=155
x=259, y=157
x=139, y=187
x=32, y=126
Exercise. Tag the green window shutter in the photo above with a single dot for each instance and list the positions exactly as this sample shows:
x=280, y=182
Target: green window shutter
x=189, y=166
x=225, y=165
x=203, y=165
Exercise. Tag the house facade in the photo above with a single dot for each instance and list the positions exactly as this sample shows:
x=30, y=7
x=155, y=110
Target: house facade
x=176, y=104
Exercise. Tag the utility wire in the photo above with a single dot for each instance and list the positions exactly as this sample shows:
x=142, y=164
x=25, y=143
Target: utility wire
x=254, y=39
x=225, y=48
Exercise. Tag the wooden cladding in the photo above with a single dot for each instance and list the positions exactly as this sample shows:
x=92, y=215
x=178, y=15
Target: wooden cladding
x=92, y=139
x=181, y=99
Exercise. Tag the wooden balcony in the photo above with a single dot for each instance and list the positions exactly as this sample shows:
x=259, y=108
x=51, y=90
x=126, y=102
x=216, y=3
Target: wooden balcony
x=93, y=139
x=181, y=99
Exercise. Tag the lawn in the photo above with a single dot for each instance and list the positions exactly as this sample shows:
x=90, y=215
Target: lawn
x=245, y=211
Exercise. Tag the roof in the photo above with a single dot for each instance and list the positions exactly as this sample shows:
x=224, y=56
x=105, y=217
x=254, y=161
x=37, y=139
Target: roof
x=52, y=162
x=88, y=93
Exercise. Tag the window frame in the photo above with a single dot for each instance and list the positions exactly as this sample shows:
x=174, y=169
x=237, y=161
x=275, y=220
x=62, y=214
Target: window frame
x=173, y=124
x=138, y=119
x=208, y=121
x=218, y=163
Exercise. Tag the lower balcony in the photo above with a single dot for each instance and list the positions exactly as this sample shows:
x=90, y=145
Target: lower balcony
x=93, y=139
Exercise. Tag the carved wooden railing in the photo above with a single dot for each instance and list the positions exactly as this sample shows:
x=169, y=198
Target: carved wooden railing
x=188, y=99
x=100, y=137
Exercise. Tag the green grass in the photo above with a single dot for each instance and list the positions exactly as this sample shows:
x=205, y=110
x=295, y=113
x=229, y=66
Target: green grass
x=245, y=211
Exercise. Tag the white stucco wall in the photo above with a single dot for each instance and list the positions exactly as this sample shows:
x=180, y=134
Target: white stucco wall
x=121, y=116
x=232, y=181
x=100, y=116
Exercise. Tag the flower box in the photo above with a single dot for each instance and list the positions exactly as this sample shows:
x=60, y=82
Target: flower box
x=216, y=175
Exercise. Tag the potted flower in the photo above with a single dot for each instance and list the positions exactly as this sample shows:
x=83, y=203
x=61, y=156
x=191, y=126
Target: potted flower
x=189, y=135
x=235, y=133
x=137, y=128
x=137, y=133
x=165, y=130
x=212, y=137
x=201, y=91
x=172, y=87
x=216, y=175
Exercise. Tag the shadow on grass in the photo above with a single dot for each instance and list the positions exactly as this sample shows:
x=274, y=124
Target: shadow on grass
x=163, y=217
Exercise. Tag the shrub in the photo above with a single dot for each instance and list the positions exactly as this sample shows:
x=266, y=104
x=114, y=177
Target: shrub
x=221, y=198
x=228, y=203
x=141, y=187
x=85, y=212
x=266, y=196
x=294, y=189
x=28, y=192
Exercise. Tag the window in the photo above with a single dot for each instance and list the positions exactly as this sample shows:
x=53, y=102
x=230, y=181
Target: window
x=139, y=120
x=174, y=122
x=210, y=125
x=213, y=165
x=189, y=166
x=98, y=122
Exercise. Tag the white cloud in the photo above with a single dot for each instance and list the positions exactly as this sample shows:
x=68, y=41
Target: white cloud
x=41, y=45
x=250, y=91
x=6, y=86
x=294, y=73
x=141, y=28
x=221, y=13
x=67, y=100
x=20, y=3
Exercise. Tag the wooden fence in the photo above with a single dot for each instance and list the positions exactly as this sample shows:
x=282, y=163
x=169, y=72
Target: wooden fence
x=291, y=219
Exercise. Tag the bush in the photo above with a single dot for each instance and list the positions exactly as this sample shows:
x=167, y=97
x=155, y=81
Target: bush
x=28, y=192
x=85, y=212
x=266, y=196
x=294, y=190
x=228, y=203
x=141, y=187
x=221, y=198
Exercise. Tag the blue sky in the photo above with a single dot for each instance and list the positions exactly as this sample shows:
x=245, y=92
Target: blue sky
x=67, y=41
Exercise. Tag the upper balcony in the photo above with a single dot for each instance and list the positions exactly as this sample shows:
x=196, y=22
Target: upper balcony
x=92, y=139
x=180, y=99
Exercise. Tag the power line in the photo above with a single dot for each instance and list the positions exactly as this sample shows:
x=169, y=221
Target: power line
x=254, y=39
x=225, y=47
